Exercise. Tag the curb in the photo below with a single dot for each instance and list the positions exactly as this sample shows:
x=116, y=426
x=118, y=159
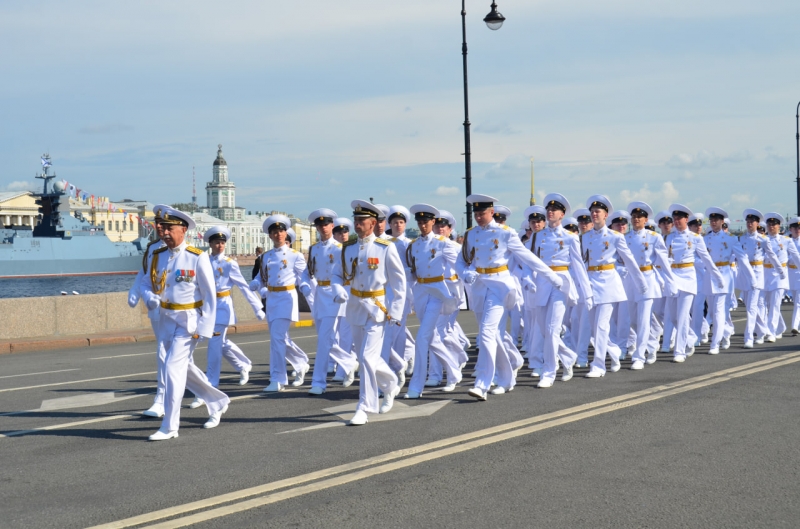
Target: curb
x=29, y=346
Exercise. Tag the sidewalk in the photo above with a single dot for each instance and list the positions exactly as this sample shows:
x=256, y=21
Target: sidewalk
x=45, y=343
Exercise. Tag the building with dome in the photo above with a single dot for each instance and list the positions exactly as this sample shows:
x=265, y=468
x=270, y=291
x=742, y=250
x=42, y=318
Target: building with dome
x=221, y=192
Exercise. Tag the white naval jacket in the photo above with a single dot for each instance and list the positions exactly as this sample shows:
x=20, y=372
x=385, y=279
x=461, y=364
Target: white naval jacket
x=488, y=250
x=281, y=272
x=684, y=248
x=725, y=250
x=454, y=283
x=401, y=243
x=794, y=271
x=182, y=279
x=322, y=261
x=650, y=252
x=786, y=252
x=759, y=252
x=371, y=265
x=226, y=276
x=558, y=248
x=430, y=259
x=601, y=248
x=138, y=287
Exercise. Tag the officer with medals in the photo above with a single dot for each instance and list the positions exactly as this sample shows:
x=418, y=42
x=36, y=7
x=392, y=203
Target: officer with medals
x=725, y=251
x=650, y=252
x=776, y=280
x=134, y=294
x=323, y=257
x=602, y=248
x=370, y=265
x=560, y=251
x=429, y=258
x=483, y=263
x=281, y=270
x=182, y=285
x=226, y=276
x=685, y=247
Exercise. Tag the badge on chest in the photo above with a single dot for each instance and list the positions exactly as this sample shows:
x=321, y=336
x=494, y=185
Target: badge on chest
x=184, y=276
x=372, y=263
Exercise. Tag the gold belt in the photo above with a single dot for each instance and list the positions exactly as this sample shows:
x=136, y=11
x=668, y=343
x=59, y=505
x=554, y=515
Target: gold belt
x=600, y=268
x=182, y=306
x=770, y=266
x=492, y=270
x=454, y=277
x=425, y=280
x=323, y=283
x=793, y=267
x=224, y=294
x=559, y=268
x=756, y=263
x=367, y=293
x=281, y=289
x=682, y=265
x=646, y=268
x=723, y=263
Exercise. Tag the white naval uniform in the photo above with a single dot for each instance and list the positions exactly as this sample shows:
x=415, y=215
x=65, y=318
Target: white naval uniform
x=776, y=281
x=323, y=258
x=398, y=343
x=759, y=252
x=601, y=249
x=226, y=276
x=560, y=250
x=430, y=258
x=371, y=266
x=485, y=258
x=726, y=252
x=794, y=285
x=649, y=251
x=281, y=270
x=685, y=248
x=134, y=294
x=183, y=282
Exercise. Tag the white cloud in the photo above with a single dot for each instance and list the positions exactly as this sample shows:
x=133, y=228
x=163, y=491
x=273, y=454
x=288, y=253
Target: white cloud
x=389, y=192
x=705, y=159
x=444, y=191
x=21, y=185
x=666, y=195
x=335, y=182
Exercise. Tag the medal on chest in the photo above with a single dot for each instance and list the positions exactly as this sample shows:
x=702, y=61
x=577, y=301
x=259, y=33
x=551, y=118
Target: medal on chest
x=372, y=263
x=285, y=263
x=496, y=244
x=184, y=276
x=433, y=253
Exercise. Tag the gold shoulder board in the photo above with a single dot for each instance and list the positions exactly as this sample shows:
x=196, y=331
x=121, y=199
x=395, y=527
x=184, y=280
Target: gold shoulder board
x=192, y=249
x=384, y=242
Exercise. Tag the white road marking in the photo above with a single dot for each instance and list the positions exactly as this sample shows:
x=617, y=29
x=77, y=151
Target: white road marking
x=77, y=381
x=399, y=411
x=122, y=356
x=404, y=458
x=40, y=373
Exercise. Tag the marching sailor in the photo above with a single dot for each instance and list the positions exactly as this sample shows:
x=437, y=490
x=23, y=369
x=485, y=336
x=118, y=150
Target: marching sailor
x=760, y=253
x=342, y=229
x=323, y=257
x=483, y=263
x=429, y=258
x=281, y=270
x=776, y=280
x=370, y=265
x=725, y=251
x=534, y=340
x=582, y=324
x=794, y=276
x=182, y=284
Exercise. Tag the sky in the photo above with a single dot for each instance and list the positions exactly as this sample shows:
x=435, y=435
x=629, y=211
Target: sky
x=317, y=103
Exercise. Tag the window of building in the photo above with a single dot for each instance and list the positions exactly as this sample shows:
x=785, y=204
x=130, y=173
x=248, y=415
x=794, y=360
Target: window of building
x=116, y=225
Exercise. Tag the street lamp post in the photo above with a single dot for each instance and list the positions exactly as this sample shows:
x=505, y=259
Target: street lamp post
x=797, y=139
x=494, y=21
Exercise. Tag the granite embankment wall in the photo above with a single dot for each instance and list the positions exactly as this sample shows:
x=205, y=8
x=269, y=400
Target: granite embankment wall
x=84, y=315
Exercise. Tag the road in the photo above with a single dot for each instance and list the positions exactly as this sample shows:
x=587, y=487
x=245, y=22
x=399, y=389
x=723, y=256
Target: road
x=711, y=442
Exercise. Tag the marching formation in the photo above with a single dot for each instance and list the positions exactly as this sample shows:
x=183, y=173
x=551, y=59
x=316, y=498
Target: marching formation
x=569, y=279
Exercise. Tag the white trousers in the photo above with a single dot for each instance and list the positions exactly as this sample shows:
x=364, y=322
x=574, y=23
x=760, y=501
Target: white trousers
x=344, y=339
x=327, y=350
x=220, y=346
x=601, y=317
x=718, y=305
x=492, y=357
x=699, y=324
x=549, y=319
x=375, y=372
x=393, y=350
x=775, y=323
x=584, y=333
x=796, y=311
x=279, y=337
x=182, y=374
x=680, y=307
x=161, y=370
x=454, y=340
x=641, y=317
x=429, y=344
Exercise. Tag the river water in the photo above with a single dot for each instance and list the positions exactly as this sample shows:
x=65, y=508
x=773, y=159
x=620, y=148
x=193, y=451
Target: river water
x=53, y=286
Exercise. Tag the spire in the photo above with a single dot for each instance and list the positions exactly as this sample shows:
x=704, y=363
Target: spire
x=220, y=160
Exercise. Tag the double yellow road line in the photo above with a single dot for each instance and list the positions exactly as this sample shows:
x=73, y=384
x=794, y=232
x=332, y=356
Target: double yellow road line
x=268, y=493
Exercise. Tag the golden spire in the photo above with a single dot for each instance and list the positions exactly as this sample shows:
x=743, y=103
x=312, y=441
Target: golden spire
x=533, y=199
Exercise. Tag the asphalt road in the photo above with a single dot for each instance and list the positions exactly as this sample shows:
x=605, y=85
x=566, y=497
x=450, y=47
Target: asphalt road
x=711, y=442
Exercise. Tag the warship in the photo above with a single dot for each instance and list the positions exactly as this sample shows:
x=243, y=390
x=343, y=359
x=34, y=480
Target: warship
x=62, y=244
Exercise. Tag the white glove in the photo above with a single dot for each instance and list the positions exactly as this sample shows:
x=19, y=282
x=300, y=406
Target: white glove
x=720, y=285
x=133, y=299
x=528, y=285
x=340, y=294
x=263, y=291
x=261, y=316
x=306, y=290
x=558, y=282
x=255, y=284
x=783, y=275
x=339, y=298
x=589, y=303
x=470, y=276
x=643, y=289
x=153, y=301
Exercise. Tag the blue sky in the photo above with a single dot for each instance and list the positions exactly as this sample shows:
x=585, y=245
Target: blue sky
x=319, y=102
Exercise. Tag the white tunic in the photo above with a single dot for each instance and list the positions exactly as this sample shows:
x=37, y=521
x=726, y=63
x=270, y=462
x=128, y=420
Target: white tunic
x=431, y=259
x=560, y=250
x=226, y=276
x=650, y=252
x=684, y=248
x=601, y=248
x=776, y=277
x=724, y=250
x=281, y=270
x=323, y=258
